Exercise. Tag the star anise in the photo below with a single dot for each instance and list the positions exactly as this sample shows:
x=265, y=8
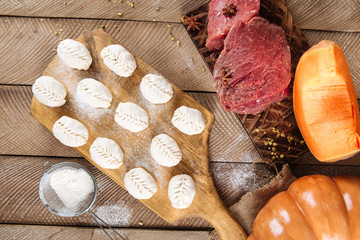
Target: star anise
x=191, y=22
x=229, y=10
x=226, y=76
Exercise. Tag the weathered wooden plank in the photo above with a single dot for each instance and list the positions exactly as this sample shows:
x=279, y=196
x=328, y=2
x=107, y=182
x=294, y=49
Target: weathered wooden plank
x=333, y=15
x=300, y=170
x=350, y=44
x=21, y=134
x=20, y=202
x=27, y=48
x=308, y=158
x=309, y=14
x=60, y=232
x=144, y=10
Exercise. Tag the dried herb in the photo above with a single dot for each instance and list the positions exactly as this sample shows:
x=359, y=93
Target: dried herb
x=226, y=76
x=191, y=22
x=229, y=10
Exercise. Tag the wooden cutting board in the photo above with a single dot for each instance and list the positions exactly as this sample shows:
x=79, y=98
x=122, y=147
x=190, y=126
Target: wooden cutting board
x=100, y=123
x=277, y=123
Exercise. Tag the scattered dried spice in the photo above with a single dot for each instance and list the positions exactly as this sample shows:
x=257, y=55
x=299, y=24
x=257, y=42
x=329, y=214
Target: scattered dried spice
x=141, y=223
x=168, y=25
x=229, y=10
x=6, y=21
x=191, y=22
x=54, y=50
x=103, y=27
x=226, y=76
x=154, y=20
x=302, y=142
x=56, y=33
x=178, y=42
x=114, y=2
x=214, y=55
x=257, y=130
x=203, y=69
x=131, y=5
x=281, y=155
x=192, y=59
x=41, y=19
x=172, y=38
x=157, y=9
x=65, y=3
x=119, y=14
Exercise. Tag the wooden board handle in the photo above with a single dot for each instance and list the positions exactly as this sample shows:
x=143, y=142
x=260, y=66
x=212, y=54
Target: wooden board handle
x=222, y=220
x=228, y=228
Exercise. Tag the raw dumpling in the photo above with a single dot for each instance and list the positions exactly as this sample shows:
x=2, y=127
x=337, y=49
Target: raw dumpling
x=118, y=60
x=181, y=191
x=140, y=184
x=94, y=93
x=49, y=91
x=131, y=117
x=156, y=89
x=165, y=150
x=188, y=120
x=70, y=132
x=106, y=153
x=74, y=54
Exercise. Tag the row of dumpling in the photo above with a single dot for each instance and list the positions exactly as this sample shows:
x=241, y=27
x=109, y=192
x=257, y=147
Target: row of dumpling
x=128, y=115
x=106, y=152
x=140, y=184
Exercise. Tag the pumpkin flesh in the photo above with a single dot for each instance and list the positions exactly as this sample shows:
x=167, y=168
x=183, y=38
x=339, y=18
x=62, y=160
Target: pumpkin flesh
x=325, y=103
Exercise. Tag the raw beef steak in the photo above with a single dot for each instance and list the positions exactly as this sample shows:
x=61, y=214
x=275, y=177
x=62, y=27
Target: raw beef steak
x=220, y=24
x=253, y=69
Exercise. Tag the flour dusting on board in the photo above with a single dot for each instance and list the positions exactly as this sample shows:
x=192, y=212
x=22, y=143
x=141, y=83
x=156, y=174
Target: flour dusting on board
x=115, y=214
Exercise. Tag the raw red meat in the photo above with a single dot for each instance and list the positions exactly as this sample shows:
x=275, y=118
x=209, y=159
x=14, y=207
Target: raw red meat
x=257, y=57
x=219, y=25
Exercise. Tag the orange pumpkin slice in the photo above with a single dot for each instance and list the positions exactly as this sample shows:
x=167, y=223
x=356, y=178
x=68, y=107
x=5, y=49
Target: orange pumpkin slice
x=325, y=103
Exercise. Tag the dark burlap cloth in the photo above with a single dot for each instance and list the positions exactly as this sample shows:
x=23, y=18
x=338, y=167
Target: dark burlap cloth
x=246, y=209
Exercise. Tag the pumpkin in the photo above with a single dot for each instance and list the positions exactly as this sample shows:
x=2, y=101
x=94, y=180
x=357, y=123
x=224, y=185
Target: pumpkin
x=325, y=103
x=314, y=207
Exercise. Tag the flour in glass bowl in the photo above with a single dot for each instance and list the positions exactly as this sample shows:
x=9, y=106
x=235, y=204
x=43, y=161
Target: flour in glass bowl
x=72, y=185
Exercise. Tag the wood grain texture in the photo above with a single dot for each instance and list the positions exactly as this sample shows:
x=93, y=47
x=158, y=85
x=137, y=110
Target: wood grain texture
x=300, y=170
x=143, y=10
x=21, y=134
x=20, y=202
x=332, y=15
x=150, y=41
x=207, y=204
x=349, y=43
x=57, y=233
x=308, y=158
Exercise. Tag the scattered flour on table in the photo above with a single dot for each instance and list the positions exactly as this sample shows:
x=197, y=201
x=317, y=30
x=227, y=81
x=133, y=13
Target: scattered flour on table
x=72, y=185
x=115, y=214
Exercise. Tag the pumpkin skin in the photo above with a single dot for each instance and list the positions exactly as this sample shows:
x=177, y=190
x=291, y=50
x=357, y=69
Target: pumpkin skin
x=314, y=207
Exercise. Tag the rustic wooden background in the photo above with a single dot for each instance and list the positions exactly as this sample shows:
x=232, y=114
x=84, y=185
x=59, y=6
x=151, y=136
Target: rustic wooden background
x=30, y=31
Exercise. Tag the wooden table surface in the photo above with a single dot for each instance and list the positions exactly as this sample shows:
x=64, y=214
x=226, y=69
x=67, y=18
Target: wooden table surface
x=29, y=33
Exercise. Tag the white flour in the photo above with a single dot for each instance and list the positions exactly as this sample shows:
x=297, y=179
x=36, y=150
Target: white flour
x=115, y=214
x=72, y=185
